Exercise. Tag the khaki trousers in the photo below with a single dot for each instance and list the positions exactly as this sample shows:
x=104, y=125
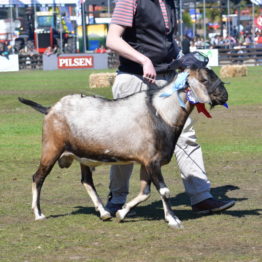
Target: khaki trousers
x=188, y=153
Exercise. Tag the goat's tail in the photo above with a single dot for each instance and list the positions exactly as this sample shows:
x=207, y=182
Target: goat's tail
x=37, y=107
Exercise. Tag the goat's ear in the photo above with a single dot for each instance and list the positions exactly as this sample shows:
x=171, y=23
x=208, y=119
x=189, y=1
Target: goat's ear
x=198, y=88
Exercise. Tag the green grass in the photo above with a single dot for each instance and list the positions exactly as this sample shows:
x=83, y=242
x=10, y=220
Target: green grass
x=232, y=147
x=246, y=90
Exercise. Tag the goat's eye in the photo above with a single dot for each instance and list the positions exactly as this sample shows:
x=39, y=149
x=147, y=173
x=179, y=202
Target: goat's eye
x=204, y=81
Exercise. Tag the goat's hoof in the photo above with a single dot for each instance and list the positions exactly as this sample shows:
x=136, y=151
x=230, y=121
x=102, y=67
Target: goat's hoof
x=41, y=217
x=176, y=225
x=106, y=216
x=173, y=221
x=120, y=215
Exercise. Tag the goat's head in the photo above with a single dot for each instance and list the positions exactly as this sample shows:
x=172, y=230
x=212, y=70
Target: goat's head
x=207, y=86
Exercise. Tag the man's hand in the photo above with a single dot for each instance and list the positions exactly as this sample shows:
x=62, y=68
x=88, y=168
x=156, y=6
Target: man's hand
x=149, y=72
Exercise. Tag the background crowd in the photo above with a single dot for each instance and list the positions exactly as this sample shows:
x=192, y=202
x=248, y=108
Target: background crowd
x=236, y=40
x=242, y=39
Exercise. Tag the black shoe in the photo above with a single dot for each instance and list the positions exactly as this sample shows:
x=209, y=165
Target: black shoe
x=212, y=205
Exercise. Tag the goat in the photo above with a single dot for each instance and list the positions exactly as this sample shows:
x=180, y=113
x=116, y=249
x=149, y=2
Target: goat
x=141, y=128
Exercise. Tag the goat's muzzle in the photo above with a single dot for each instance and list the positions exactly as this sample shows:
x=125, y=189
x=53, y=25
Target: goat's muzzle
x=219, y=94
x=215, y=87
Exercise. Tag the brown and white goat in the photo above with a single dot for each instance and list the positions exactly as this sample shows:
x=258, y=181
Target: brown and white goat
x=141, y=128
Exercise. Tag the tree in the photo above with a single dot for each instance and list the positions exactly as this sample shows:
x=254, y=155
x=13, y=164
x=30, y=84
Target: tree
x=187, y=19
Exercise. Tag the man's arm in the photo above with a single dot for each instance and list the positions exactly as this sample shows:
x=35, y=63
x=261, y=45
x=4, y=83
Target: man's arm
x=116, y=43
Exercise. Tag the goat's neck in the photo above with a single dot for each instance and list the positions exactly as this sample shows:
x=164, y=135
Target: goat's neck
x=170, y=109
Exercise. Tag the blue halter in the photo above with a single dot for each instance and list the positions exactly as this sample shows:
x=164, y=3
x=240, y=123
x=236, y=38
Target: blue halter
x=179, y=84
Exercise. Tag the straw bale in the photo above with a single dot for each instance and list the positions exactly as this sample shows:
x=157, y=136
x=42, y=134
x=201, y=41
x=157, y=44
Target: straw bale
x=97, y=80
x=233, y=71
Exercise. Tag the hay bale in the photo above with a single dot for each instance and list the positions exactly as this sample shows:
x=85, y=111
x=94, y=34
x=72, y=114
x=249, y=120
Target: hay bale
x=233, y=71
x=97, y=80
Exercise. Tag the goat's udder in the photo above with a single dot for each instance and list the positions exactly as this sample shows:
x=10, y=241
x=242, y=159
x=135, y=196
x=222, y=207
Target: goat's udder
x=66, y=160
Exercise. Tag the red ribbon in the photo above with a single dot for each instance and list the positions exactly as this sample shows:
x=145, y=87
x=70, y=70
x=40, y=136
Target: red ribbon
x=202, y=109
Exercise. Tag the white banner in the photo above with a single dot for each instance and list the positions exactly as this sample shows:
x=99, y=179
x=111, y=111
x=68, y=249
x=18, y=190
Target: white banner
x=8, y=64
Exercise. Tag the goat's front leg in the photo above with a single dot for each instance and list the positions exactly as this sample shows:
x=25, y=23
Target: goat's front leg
x=172, y=220
x=87, y=181
x=155, y=172
x=143, y=195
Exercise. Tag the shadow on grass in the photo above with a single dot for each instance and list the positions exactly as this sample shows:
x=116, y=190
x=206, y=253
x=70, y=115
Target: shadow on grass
x=154, y=211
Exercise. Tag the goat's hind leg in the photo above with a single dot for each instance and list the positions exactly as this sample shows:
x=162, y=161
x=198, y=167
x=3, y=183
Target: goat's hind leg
x=87, y=181
x=143, y=195
x=158, y=180
x=47, y=162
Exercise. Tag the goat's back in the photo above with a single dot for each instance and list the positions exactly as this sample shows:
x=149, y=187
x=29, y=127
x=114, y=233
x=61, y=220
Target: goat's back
x=102, y=124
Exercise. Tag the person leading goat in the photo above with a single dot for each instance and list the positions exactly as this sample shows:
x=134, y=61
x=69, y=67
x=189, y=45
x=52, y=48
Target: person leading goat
x=143, y=32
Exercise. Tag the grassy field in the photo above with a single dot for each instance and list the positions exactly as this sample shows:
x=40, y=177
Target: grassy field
x=232, y=148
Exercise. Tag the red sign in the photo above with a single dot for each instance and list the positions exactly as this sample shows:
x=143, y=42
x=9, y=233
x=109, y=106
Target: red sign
x=71, y=62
